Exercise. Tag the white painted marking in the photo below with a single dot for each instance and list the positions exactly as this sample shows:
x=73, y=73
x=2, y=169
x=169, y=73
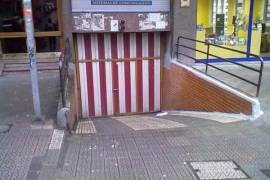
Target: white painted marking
x=157, y=71
x=57, y=139
x=121, y=73
x=214, y=116
x=96, y=76
x=108, y=66
x=162, y=114
x=145, y=72
x=147, y=122
x=133, y=72
x=83, y=78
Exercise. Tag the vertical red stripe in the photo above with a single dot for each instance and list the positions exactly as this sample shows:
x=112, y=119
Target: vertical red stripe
x=115, y=73
x=151, y=68
x=139, y=81
x=102, y=73
x=127, y=71
x=89, y=73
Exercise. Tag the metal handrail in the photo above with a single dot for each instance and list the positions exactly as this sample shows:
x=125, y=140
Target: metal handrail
x=207, y=53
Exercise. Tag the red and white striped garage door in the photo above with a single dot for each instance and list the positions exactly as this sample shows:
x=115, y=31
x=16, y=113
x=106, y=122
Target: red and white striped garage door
x=112, y=81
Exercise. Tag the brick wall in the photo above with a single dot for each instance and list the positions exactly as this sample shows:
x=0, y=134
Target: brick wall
x=182, y=90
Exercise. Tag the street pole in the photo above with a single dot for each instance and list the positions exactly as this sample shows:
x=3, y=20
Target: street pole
x=31, y=48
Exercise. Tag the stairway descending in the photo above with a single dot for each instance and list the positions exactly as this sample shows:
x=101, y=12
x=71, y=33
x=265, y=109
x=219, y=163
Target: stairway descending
x=24, y=66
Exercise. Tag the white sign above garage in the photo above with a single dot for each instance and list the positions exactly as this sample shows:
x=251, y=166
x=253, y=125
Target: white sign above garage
x=120, y=5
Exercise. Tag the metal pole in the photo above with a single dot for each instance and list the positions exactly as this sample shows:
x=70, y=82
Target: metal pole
x=31, y=47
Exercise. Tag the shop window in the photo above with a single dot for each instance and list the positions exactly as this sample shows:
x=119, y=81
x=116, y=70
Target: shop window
x=228, y=19
x=11, y=16
x=48, y=44
x=45, y=19
x=8, y=45
x=44, y=15
x=220, y=10
x=267, y=13
x=227, y=27
x=43, y=44
x=264, y=26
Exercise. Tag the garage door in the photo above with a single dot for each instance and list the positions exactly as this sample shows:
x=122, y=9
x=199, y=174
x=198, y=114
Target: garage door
x=119, y=73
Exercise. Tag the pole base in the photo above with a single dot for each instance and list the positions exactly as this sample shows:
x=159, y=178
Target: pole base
x=39, y=120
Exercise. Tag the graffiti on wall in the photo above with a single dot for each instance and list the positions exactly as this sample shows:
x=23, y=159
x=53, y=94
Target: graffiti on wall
x=152, y=21
x=114, y=22
x=88, y=21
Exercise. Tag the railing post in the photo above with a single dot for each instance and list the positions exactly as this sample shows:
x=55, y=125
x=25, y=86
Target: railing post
x=260, y=77
x=207, y=58
x=177, y=48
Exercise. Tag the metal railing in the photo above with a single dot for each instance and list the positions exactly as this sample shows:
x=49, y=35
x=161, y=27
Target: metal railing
x=257, y=84
x=64, y=60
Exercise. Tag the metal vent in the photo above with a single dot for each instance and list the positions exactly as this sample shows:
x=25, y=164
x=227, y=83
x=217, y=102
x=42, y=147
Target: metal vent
x=85, y=127
x=210, y=170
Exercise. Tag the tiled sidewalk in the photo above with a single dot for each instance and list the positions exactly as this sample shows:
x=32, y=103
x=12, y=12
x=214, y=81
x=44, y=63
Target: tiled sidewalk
x=22, y=151
x=117, y=151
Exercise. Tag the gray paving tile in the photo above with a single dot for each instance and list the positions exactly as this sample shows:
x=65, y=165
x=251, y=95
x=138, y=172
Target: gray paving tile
x=161, y=154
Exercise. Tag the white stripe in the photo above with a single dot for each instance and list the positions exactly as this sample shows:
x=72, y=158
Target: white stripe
x=83, y=78
x=157, y=72
x=107, y=43
x=121, y=73
x=133, y=72
x=145, y=72
x=57, y=139
x=96, y=78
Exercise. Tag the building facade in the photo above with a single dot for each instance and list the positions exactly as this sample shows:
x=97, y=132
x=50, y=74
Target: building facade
x=131, y=56
x=125, y=56
x=47, y=16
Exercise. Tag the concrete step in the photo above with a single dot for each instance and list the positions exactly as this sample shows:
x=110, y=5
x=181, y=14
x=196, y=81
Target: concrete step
x=21, y=67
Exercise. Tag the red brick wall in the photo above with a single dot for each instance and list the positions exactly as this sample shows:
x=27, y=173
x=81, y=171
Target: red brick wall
x=182, y=90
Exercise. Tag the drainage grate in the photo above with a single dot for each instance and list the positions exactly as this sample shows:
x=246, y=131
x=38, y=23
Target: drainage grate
x=209, y=170
x=4, y=128
x=85, y=127
x=266, y=172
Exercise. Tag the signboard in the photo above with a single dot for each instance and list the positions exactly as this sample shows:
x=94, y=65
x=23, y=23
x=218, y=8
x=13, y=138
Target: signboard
x=121, y=2
x=120, y=5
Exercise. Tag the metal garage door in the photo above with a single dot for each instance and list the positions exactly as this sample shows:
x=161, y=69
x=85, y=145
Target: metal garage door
x=119, y=73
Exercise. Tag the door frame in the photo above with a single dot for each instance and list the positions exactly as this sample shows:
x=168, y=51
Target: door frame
x=77, y=62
